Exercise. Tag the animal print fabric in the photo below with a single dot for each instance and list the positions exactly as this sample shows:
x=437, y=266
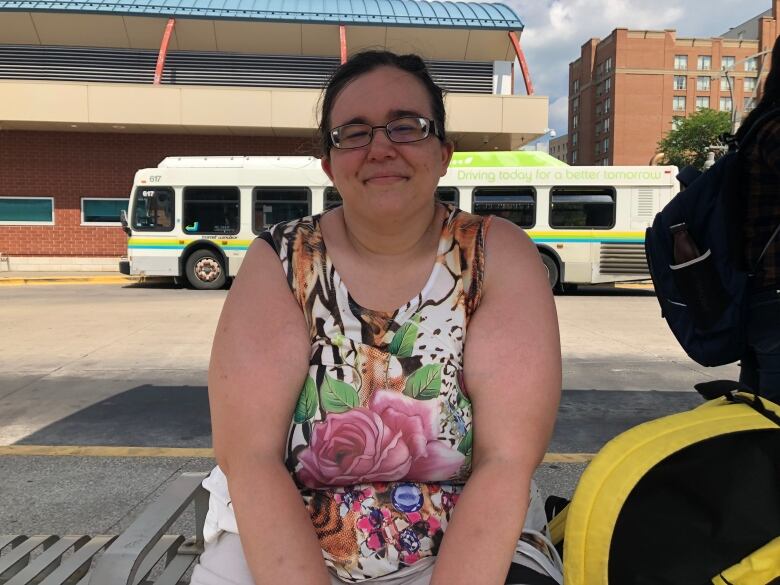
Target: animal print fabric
x=380, y=442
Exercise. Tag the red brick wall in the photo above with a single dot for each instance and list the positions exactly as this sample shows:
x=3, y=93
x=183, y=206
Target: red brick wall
x=70, y=165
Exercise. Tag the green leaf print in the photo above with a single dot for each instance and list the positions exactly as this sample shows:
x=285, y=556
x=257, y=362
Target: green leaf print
x=337, y=396
x=466, y=442
x=403, y=340
x=307, y=402
x=425, y=383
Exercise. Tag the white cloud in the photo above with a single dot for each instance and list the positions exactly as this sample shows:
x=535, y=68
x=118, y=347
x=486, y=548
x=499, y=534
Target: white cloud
x=555, y=30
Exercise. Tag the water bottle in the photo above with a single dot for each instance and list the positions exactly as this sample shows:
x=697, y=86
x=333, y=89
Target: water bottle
x=685, y=248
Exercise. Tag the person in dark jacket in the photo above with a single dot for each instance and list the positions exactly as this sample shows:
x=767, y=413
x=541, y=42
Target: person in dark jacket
x=760, y=197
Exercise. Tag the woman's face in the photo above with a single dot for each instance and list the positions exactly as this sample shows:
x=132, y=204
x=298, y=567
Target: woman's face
x=385, y=177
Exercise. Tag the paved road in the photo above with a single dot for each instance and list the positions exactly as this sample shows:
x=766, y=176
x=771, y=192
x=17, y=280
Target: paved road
x=120, y=372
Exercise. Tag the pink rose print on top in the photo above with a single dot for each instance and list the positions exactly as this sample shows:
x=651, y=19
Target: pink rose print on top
x=394, y=438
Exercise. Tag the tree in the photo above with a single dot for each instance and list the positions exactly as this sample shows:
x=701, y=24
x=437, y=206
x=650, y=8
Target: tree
x=687, y=144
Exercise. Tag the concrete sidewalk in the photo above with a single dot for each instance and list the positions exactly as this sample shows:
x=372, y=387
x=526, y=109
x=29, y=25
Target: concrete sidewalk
x=20, y=278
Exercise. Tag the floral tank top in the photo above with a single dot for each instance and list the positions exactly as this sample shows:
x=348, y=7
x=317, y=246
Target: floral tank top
x=380, y=441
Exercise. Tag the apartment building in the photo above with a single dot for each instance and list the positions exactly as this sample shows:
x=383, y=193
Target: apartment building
x=559, y=148
x=628, y=90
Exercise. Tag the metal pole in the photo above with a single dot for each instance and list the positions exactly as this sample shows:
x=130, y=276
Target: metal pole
x=529, y=86
x=158, y=71
x=343, y=42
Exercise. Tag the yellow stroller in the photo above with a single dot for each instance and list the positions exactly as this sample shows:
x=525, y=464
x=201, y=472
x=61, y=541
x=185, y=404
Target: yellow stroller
x=688, y=499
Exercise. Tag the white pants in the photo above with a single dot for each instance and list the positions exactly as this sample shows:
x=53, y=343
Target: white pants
x=223, y=562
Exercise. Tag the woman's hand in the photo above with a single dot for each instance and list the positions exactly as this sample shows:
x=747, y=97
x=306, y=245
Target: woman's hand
x=259, y=362
x=512, y=367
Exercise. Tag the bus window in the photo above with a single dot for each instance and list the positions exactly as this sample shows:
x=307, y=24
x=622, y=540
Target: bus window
x=211, y=210
x=332, y=198
x=153, y=210
x=517, y=204
x=448, y=195
x=276, y=204
x=582, y=207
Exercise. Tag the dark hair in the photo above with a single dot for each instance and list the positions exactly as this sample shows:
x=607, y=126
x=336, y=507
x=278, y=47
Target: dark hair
x=770, y=94
x=365, y=62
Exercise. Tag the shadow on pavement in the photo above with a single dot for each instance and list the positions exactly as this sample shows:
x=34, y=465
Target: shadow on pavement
x=144, y=416
x=607, y=291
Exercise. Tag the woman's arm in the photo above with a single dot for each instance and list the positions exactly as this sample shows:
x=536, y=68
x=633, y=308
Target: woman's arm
x=259, y=362
x=512, y=368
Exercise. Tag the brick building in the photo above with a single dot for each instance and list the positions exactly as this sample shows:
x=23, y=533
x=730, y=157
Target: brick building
x=559, y=148
x=627, y=90
x=90, y=93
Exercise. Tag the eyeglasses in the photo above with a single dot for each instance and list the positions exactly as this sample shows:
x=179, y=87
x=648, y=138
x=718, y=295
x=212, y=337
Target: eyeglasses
x=400, y=130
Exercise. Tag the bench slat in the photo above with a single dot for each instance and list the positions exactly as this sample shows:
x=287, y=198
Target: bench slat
x=175, y=570
x=18, y=557
x=79, y=561
x=10, y=539
x=169, y=543
x=47, y=561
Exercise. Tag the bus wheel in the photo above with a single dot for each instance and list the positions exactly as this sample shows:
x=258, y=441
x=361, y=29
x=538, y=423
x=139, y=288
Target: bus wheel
x=205, y=270
x=552, y=270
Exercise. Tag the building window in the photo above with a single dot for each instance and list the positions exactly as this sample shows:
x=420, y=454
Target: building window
x=681, y=61
x=750, y=84
x=725, y=85
x=751, y=64
x=676, y=122
x=606, y=124
x=598, y=127
x=102, y=211
x=599, y=108
x=607, y=84
x=574, y=121
x=576, y=86
x=608, y=64
x=574, y=139
x=680, y=82
x=678, y=103
x=153, y=210
x=277, y=204
x=574, y=157
x=702, y=83
x=517, y=204
x=747, y=104
x=606, y=145
x=582, y=207
x=597, y=148
x=727, y=62
x=211, y=210
x=26, y=210
x=725, y=104
x=575, y=104
x=607, y=104
x=704, y=63
x=702, y=102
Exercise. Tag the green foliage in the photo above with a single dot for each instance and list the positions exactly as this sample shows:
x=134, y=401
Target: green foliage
x=306, y=406
x=687, y=144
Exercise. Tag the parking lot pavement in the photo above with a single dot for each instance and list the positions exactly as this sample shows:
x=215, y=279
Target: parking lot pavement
x=103, y=394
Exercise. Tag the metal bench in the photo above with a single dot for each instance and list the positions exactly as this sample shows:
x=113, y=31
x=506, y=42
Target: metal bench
x=141, y=555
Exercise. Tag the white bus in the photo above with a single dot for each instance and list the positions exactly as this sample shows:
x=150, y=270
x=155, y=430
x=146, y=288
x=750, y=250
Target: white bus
x=195, y=217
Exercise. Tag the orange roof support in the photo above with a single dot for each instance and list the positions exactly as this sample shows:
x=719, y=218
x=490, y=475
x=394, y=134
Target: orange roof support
x=158, y=71
x=529, y=86
x=343, y=42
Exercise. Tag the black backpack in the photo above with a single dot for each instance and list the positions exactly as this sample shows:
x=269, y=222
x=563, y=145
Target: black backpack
x=704, y=300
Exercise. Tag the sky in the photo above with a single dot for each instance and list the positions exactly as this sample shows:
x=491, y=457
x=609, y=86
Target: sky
x=555, y=30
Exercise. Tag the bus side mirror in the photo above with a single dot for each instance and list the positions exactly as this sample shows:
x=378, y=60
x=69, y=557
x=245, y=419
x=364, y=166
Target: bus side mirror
x=123, y=221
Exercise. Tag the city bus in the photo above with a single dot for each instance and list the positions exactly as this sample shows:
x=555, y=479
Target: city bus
x=195, y=217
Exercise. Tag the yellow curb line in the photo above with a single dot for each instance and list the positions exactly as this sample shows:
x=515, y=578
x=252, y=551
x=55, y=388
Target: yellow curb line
x=98, y=451
x=49, y=281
